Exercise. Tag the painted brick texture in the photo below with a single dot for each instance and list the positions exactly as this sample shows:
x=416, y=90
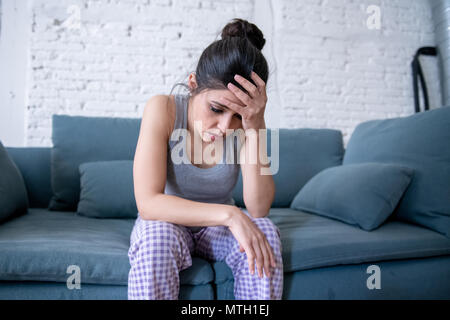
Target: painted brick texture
x=107, y=58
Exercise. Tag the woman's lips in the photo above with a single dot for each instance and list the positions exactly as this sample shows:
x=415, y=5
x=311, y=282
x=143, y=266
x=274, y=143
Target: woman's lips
x=213, y=136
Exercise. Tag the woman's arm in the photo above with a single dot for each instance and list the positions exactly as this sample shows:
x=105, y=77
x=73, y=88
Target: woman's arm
x=258, y=189
x=185, y=212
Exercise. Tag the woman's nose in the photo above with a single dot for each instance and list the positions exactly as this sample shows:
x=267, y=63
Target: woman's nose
x=225, y=122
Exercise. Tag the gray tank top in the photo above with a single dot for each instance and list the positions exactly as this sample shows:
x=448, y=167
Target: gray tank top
x=209, y=185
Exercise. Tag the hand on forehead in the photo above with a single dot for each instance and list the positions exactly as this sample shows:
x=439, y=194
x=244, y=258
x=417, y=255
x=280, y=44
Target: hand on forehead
x=215, y=95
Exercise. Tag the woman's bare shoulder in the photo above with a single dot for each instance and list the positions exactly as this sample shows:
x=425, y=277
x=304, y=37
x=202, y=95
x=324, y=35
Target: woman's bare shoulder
x=163, y=107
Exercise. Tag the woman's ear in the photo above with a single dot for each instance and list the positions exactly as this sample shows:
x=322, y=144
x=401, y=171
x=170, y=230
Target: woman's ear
x=192, y=81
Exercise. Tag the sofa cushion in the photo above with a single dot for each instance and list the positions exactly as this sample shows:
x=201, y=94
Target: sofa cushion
x=42, y=244
x=362, y=194
x=78, y=139
x=302, y=154
x=421, y=142
x=34, y=165
x=107, y=190
x=311, y=241
x=13, y=193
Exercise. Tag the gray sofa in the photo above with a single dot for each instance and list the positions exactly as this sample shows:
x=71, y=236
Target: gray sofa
x=324, y=258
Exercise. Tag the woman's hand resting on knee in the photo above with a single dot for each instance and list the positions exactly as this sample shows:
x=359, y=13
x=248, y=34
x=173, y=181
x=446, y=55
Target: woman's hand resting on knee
x=253, y=242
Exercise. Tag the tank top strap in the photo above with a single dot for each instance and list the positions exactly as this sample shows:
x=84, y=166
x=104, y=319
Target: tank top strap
x=181, y=102
x=184, y=102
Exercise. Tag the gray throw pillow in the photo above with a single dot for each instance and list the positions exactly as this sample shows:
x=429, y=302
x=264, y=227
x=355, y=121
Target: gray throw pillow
x=107, y=190
x=13, y=193
x=363, y=195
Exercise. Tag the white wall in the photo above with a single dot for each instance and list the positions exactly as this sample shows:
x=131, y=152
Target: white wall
x=327, y=69
x=335, y=72
x=14, y=71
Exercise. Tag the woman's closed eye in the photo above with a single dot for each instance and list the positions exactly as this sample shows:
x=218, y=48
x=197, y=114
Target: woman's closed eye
x=220, y=111
x=215, y=110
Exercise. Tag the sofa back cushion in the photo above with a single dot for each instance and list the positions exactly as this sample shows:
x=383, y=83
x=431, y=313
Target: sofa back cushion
x=78, y=139
x=302, y=154
x=34, y=165
x=421, y=142
x=13, y=193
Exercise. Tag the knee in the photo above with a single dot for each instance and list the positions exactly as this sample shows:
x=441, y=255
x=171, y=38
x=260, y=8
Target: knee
x=270, y=230
x=266, y=226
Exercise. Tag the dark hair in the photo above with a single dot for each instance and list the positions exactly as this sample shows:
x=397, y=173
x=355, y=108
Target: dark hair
x=238, y=52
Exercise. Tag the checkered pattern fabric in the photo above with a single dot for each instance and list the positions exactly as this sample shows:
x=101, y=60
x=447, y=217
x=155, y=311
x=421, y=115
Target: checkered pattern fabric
x=159, y=250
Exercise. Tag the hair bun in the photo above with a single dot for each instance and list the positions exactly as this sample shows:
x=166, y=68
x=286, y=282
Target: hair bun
x=244, y=29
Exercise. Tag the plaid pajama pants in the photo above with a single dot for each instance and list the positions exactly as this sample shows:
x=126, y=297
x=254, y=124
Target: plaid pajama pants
x=159, y=250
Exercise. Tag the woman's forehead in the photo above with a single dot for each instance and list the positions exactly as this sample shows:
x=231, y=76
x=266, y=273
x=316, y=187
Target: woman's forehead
x=215, y=95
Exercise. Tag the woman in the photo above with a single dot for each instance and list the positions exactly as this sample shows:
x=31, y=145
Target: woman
x=186, y=209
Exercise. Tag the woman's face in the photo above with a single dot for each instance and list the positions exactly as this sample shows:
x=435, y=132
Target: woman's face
x=215, y=118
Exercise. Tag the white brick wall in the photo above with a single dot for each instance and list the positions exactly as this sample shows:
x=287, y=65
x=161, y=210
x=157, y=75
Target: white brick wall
x=334, y=72
x=331, y=70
